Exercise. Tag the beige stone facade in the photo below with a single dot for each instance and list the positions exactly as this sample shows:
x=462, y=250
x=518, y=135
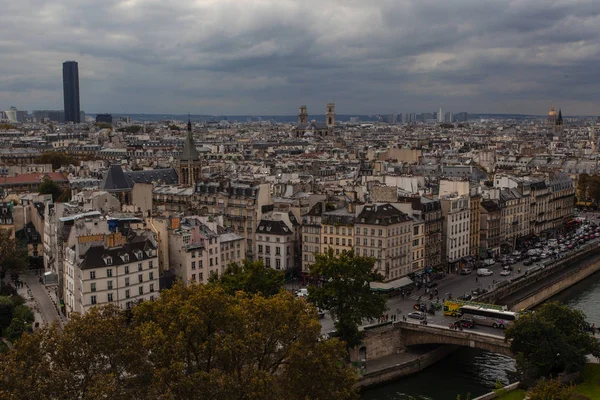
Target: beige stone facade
x=385, y=233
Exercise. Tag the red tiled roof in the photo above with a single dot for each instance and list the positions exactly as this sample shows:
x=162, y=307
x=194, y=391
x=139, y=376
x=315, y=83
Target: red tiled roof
x=32, y=178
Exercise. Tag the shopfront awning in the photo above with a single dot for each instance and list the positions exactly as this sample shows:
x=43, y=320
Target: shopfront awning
x=390, y=286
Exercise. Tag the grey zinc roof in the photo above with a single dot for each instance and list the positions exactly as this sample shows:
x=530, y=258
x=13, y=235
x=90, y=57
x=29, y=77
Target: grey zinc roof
x=190, y=153
x=115, y=179
x=118, y=180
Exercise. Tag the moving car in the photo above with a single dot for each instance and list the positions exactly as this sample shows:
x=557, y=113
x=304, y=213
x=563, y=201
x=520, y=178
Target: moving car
x=465, y=271
x=528, y=262
x=484, y=272
x=505, y=272
x=420, y=315
x=489, y=261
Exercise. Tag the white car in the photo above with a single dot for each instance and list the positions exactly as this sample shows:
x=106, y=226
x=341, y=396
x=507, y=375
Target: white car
x=505, y=272
x=484, y=272
x=543, y=256
x=489, y=261
x=302, y=293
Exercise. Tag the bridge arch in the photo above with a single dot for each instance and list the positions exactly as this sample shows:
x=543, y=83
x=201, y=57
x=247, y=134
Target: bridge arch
x=415, y=334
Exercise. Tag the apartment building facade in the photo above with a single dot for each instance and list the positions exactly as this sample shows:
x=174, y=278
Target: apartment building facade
x=384, y=232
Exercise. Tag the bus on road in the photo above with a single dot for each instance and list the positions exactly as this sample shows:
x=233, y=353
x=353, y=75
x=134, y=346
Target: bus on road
x=452, y=307
x=489, y=317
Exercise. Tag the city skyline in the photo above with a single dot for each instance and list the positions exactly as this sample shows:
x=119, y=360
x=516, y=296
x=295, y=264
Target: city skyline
x=256, y=58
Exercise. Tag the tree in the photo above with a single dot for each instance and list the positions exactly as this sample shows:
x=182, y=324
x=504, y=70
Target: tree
x=57, y=160
x=13, y=254
x=553, y=389
x=345, y=291
x=583, y=185
x=103, y=125
x=551, y=340
x=250, y=277
x=48, y=186
x=195, y=342
x=95, y=356
x=65, y=196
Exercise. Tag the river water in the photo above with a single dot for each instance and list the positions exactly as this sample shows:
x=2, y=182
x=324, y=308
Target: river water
x=475, y=371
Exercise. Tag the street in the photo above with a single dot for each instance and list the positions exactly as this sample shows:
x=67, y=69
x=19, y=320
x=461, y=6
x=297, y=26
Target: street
x=456, y=285
x=42, y=303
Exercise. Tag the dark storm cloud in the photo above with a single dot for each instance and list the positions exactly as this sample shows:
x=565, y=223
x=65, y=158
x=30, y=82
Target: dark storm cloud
x=259, y=56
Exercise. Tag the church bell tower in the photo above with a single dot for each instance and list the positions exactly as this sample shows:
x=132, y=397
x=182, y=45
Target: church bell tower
x=330, y=115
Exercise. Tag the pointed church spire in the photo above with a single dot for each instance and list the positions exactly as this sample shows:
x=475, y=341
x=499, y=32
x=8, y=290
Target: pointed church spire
x=559, y=120
x=189, y=125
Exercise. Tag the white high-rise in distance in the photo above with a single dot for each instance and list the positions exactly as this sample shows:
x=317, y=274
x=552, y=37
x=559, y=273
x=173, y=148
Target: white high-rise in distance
x=440, y=116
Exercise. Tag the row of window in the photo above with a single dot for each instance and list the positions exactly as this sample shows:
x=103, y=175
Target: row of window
x=109, y=284
x=278, y=262
x=109, y=271
x=267, y=249
x=110, y=297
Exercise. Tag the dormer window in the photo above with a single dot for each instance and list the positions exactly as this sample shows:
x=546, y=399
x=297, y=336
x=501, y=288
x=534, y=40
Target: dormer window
x=108, y=260
x=139, y=254
x=125, y=258
x=268, y=229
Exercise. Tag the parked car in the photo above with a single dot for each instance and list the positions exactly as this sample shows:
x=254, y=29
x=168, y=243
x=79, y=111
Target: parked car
x=484, y=272
x=528, y=262
x=320, y=313
x=489, y=261
x=507, y=268
x=465, y=271
x=302, y=293
x=420, y=315
x=466, y=323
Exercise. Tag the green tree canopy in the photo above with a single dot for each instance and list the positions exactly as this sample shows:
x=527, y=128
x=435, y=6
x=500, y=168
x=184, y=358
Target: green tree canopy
x=57, y=160
x=196, y=342
x=345, y=291
x=13, y=254
x=551, y=340
x=130, y=129
x=250, y=277
x=48, y=186
x=103, y=125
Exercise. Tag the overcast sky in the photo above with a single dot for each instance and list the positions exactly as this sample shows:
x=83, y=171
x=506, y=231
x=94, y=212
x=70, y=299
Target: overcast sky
x=270, y=56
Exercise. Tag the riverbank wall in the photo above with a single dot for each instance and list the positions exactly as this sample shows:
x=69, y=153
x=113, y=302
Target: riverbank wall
x=553, y=287
x=523, y=285
x=494, y=395
x=393, y=371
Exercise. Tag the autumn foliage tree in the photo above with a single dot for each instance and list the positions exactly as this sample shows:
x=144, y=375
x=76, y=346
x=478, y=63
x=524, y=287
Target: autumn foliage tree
x=192, y=343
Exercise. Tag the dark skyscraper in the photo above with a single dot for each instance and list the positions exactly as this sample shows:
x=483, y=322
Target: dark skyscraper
x=71, y=91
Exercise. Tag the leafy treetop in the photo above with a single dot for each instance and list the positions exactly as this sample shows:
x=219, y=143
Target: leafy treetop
x=345, y=291
x=252, y=278
x=551, y=340
x=195, y=342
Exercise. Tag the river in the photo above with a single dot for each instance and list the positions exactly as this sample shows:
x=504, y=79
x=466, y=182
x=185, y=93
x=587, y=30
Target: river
x=476, y=371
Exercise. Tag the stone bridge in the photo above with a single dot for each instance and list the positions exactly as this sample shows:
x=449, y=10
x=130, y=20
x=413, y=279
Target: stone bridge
x=394, y=338
x=414, y=334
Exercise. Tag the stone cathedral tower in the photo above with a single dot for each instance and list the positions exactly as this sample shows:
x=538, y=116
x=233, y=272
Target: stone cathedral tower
x=302, y=115
x=190, y=163
x=330, y=115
